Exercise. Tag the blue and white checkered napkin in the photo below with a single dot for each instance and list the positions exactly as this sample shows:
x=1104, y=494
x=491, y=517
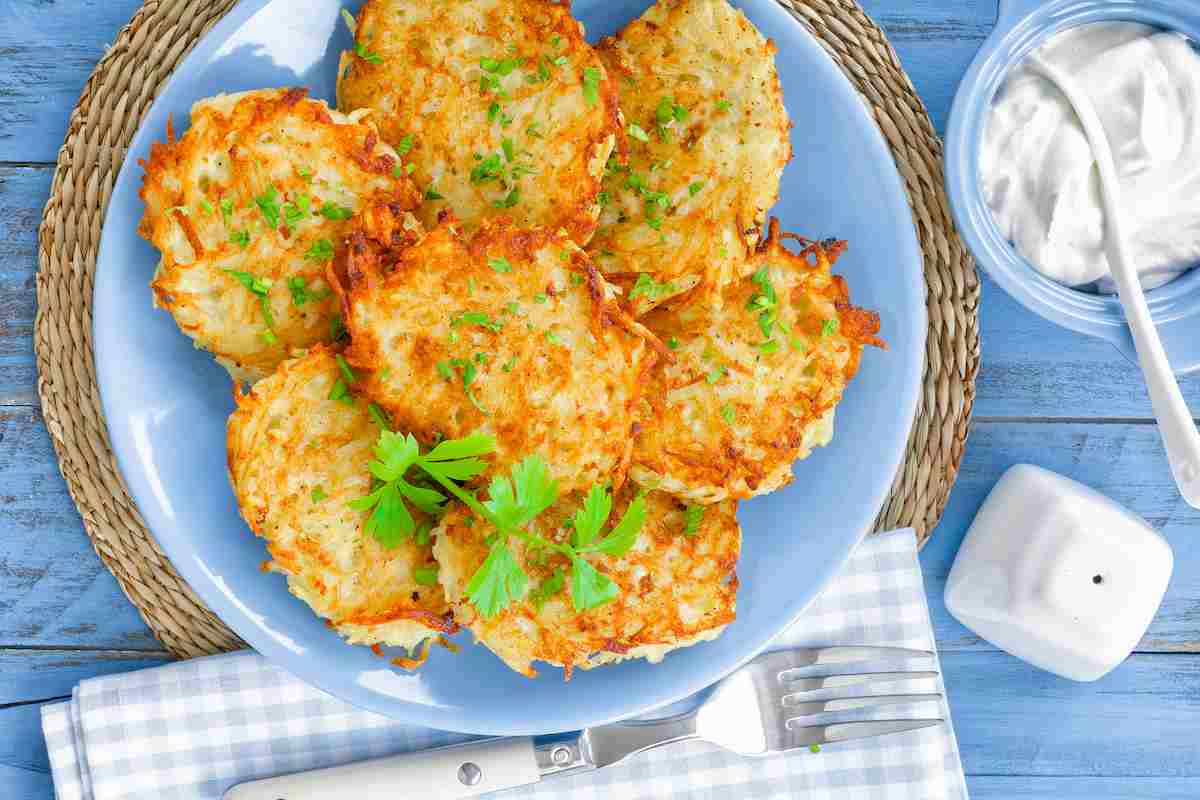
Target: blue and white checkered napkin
x=192, y=729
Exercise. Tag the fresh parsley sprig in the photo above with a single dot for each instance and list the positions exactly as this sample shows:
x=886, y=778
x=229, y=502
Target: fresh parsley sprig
x=513, y=502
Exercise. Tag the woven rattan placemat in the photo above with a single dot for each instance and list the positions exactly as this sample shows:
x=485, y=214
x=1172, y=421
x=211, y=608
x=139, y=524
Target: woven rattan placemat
x=110, y=109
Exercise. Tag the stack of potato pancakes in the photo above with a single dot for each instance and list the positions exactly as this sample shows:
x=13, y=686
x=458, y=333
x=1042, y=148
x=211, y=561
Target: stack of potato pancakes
x=517, y=335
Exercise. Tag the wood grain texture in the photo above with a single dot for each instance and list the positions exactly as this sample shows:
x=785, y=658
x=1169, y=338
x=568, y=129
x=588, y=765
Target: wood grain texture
x=27, y=675
x=53, y=588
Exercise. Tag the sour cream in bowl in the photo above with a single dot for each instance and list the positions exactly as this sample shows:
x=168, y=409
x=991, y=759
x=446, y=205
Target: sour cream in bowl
x=1021, y=176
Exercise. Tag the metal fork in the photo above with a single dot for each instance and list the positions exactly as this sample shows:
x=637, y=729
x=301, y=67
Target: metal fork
x=765, y=707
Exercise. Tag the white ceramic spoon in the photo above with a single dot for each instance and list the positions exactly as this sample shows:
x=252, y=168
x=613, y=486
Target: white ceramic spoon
x=1179, y=434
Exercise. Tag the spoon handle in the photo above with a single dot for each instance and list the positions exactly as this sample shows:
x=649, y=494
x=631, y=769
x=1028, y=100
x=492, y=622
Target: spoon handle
x=1175, y=424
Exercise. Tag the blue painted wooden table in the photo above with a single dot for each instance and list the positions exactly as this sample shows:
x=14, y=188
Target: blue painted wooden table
x=1045, y=396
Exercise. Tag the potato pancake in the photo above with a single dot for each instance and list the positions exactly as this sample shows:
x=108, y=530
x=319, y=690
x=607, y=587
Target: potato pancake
x=708, y=140
x=296, y=459
x=677, y=583
x=247, y=209
x=756, y=377
x=512, y=335
x=500, y=104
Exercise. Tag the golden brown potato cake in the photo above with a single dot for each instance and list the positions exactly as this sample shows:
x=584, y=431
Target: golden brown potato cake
x=500, y=104
x=708, y=139
x=296, y=459
x=512, y=335
x=756, y=377
x=678, y=586
x=247, y=209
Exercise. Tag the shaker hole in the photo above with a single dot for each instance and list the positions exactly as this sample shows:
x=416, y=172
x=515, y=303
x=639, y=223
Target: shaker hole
x=1097, y=579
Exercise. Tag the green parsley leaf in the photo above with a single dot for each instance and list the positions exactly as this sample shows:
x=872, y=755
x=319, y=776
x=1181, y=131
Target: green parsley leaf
x=508, y=367
x=693, y=515
x=318, y=494
x=337, y=329
x=498, y=582
x=769, y=346
x=488, y=169
x=727, y=414
x=259, y=286
x=514, y=503
x=433, y=194
x=405, y=145
x=673, y=343
x=591, y=85
x=591, y=516
x=426, y=576
x=589, y=587
x=500, y=264
x=724, y=105
x=321, y=250
x=206, y=206
x=444, y=370
x=422, y=536
x=829, y=327
x=509, y=149
x=332, y=211
x=625, y=533
x=227, y=211
x=716, y=375
x=541, y=297
x=695, y=187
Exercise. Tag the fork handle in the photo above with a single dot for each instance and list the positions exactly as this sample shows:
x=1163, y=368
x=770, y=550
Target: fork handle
x=465, y=770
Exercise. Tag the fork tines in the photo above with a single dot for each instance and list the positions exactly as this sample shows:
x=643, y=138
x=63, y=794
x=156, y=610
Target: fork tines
x=799, y=687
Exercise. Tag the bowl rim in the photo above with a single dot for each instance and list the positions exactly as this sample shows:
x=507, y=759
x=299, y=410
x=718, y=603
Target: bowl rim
x=1022, y=26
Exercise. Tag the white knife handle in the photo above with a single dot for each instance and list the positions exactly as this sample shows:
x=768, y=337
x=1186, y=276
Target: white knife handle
x=465, y=770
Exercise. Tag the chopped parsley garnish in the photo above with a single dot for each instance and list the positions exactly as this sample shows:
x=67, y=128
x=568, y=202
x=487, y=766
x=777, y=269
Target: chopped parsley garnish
x=227, y=211
x=503, y=67
x=360, y=50
x=433, y=194
x=509, y=200
x=638, y=132
x=500, y=264
x=405, y=145
x=769, y=346
x=304, y=172
x=694, y=188
x=381, y=417
x=765, y=302
x=724, y=105
x=692, y=515
x=240, y=238
x=716, y=375
x=301, y=294
x=591, y=85
x=261, y=288
x=829, y=327
x=673, y=343
x=541, y=297
x=332, y=211
x=479, y=318
x=553, y=338
x=341, y=392
x=508, y=367
x=646, y=286
x=345, y=369
x=268, y=204
x=509, y=149
x=206, y=206
x=666, y=114
x=548, y=588
x=488, y=169
x=321, y=250
x=443, y=368
x=337, y=328
x=727, y=414
x=426, y=576
x=318, y=494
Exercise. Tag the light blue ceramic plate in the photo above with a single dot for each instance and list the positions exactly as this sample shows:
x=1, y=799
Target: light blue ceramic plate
x=1023, y=25
x=166, y=403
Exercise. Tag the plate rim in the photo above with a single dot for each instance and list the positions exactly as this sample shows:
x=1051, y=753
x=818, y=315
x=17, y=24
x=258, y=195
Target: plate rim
x=206, y=587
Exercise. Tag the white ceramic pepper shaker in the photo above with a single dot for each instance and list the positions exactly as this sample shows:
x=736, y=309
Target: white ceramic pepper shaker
x=1058, y=575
